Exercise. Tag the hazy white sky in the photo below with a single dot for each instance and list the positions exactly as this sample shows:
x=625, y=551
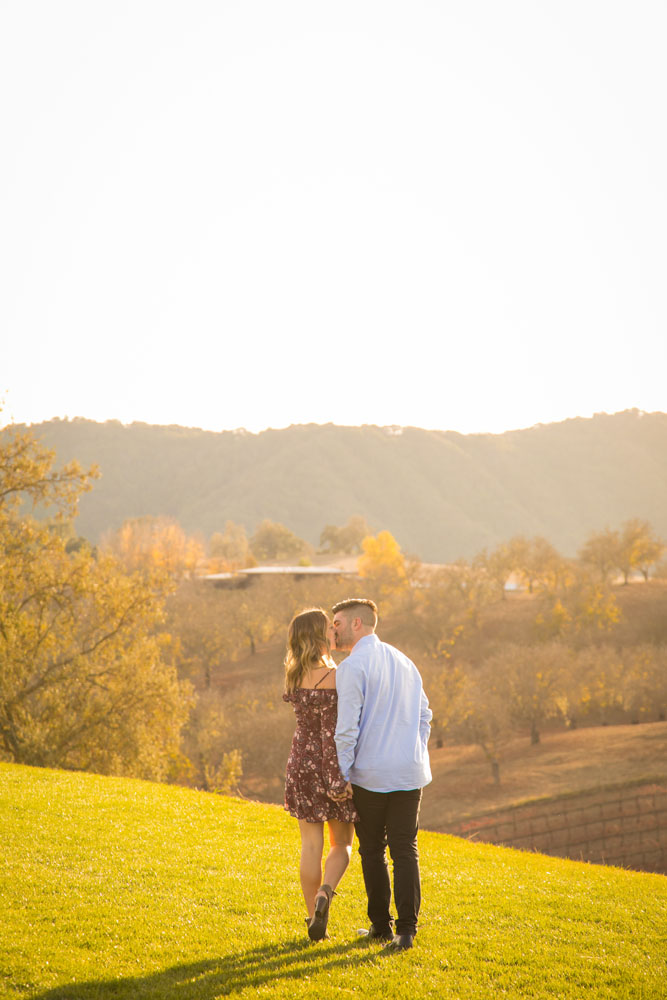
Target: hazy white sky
x=251, y=213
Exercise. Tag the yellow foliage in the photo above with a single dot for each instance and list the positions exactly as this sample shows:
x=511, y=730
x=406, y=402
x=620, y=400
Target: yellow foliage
x=83, y=683
x=382, y=563
x=155, y=543
x=225, y=778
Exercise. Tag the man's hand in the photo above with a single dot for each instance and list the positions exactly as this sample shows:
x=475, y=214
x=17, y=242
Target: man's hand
x=347, y=794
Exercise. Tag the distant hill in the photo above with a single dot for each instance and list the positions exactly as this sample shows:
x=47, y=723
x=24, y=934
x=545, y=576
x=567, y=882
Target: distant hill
x=443, y=495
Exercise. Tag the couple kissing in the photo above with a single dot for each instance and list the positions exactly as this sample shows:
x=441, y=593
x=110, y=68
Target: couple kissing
x=358, y=762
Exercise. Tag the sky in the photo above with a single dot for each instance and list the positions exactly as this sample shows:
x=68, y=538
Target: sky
x=222, y=214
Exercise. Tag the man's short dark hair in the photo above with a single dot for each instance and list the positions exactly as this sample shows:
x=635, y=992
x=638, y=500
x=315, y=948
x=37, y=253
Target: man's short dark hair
x=362, y=606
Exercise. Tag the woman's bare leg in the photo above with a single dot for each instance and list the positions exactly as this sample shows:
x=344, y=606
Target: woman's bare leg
x=340, y=851
x=310, y=869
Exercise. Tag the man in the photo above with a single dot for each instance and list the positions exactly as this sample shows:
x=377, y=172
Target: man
x=381, y=738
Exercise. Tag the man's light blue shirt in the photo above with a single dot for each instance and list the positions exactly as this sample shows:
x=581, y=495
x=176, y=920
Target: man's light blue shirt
x=384, y=720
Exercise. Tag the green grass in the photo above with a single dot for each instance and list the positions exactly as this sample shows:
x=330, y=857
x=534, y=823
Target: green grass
x=112, y=888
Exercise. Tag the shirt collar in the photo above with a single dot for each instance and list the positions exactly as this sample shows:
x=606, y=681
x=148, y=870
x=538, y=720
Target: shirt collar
x=365, y=640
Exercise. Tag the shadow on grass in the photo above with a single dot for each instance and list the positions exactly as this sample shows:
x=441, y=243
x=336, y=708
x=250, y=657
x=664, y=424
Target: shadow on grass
x=224, y=976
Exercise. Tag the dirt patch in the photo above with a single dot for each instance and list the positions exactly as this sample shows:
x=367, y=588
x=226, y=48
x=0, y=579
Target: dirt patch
x=563, y=762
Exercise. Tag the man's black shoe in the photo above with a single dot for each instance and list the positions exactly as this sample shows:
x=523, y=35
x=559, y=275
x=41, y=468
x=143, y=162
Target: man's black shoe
x=377, y=933
x=400, y=942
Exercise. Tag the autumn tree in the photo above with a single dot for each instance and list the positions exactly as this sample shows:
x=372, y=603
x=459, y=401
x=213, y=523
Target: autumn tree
x=155, y=543
x=443, y=682
x=644, y=681
x=537, y=563
x=481, y=715
x=262, y=729
x=205, y=630
x=633, y=548
x=537, y=678
x=382, y=564
x=445, y=606
x=83, y=680
x=639, y=548
x=601, y=551
x=598, y=683
x=534, y=561
x=209, y=741
x=229, y=550
x=274, y=541
x=581, y=608
x=346, y=539
x=499, y=565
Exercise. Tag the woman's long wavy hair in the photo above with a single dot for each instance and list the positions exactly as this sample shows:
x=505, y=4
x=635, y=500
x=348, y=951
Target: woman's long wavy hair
x=307, y=646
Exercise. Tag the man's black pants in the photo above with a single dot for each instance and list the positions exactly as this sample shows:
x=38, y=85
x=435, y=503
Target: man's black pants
x=390, y=818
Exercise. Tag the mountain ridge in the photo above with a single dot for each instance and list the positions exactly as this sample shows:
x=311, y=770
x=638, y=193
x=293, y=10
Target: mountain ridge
x=442, y=494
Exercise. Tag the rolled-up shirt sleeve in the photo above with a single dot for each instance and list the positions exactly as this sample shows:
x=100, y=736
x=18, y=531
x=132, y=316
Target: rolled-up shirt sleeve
x=350, y=686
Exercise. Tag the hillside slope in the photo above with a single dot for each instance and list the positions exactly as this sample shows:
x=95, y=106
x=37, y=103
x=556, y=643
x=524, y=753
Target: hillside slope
x=562, y=763
x=124, y=889
x=443, y=495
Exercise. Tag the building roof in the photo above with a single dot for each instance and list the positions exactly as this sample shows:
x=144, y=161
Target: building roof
x=282, y=571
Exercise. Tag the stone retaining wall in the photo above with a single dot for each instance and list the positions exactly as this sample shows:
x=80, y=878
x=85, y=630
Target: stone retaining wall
x=624, y=825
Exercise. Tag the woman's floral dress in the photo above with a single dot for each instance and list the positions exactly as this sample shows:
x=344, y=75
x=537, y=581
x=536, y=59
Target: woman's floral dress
x=312, y=767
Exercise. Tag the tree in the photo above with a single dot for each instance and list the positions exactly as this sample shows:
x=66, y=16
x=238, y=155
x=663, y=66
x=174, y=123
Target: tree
x=444, y=683
x=481, y=714
x=204, y=625
x=537, y=562
x=498, y=566
x=639, y=548
x=217, y=769
x=27, y=476
x=445, y=605
x=273, y=540
x=262, y=729
x=347, y=539
x=598, y=683
x=581, y=607
x=83, y=682
x=536, y=677
x=644, y=682
x=382, y=563
x=155, y=543
x=229, y=550
x=601, y=551
x=635, y=547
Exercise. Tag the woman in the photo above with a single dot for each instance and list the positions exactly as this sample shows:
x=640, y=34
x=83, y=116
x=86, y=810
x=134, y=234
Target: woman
x=315, y=790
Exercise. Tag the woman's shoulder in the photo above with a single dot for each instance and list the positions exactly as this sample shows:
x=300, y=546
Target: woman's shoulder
x=321, y=678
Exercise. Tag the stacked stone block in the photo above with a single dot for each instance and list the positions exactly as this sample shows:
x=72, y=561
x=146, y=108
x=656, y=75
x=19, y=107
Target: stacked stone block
x=623, y=825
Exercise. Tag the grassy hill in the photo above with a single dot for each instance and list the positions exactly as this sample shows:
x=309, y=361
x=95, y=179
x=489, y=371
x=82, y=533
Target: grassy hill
x=120, y=889
x=442, y=495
